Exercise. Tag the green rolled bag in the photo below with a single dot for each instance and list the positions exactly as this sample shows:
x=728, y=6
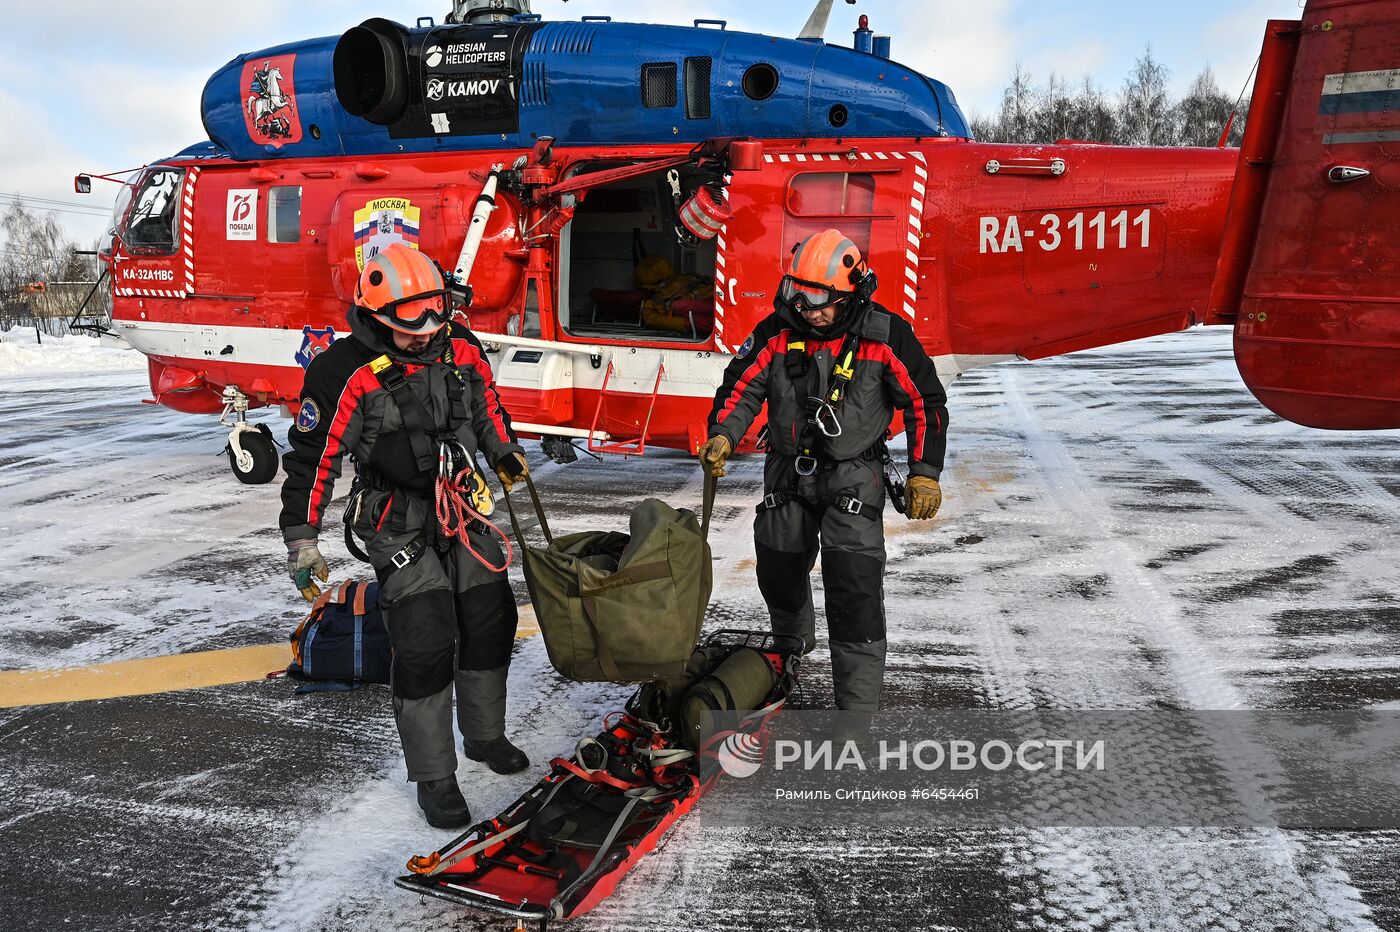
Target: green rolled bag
x=741, y=683
x=718, y=678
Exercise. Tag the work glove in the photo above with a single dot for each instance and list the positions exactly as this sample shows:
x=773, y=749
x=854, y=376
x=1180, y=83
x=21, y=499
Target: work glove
x=511, y=467
x=305, y=565
x=924, y=497
x=714, y=454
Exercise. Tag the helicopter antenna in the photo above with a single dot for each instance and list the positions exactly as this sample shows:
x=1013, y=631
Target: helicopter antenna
x=488, y=11
x=816, y=23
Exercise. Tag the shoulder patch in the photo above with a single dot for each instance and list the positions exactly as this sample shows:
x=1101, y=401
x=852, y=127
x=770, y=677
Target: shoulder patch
x=308, y=416
x=747, y=347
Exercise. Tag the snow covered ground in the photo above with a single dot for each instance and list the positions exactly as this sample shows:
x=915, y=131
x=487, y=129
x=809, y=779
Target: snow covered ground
x=1123, y=529
x=24, y=353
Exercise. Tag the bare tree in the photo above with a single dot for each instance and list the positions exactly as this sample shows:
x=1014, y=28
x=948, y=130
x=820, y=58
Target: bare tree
x=1018, y=104
x=1053, y=115
x=1201, y=114
x=983, y=128
x=1144, y=112
x=35, y=250
x=1091, y=115
x=1144, y=106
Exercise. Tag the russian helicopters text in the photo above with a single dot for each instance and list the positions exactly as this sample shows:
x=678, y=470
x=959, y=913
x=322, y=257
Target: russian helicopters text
x=621, y=200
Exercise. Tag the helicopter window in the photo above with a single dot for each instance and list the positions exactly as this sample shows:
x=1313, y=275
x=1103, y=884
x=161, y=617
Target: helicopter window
x=284, y=214
x=150, y=227
x=827, y=194
x=659, y=85
x=119, y=209
x=697, y=88
x=761, y=81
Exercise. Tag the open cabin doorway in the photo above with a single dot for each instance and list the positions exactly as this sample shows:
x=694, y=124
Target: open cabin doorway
x=624, y=270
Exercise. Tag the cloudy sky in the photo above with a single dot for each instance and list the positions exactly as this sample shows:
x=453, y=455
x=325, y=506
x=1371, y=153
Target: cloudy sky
x=105, y=86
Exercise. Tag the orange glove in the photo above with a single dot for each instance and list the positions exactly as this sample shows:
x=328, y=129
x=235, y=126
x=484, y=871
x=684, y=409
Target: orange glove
x=511, y=468
x=714, y=454
x=924, y=497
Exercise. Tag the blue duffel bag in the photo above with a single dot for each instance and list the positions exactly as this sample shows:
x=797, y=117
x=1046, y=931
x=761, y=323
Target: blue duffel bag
x=342, y=643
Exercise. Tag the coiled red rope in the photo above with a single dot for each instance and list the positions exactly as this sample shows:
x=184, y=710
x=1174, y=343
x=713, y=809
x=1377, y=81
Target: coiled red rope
x=455, y=515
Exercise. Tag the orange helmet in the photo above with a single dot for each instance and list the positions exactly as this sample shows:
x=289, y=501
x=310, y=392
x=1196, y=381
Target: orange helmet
x=826, y=267
x=404, y=289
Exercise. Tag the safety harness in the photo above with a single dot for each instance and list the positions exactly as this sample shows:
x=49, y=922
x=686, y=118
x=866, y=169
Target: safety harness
x=461, y=497
x=822, y=422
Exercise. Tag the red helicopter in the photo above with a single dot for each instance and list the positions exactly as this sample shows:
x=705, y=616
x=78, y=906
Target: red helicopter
x=618, y=200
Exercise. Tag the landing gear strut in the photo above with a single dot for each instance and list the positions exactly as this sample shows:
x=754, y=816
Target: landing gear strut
x=250, y=449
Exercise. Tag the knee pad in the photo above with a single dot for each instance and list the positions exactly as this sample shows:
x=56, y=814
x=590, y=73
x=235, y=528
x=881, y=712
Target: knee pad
x=855, y=609
x=487, y=617
x=782, y=578
x=423, y=631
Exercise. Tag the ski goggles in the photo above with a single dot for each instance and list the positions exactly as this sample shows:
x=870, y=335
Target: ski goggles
x=435, y=311
x=804, y=296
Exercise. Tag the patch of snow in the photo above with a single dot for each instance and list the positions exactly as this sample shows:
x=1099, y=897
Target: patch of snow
x=23, y=355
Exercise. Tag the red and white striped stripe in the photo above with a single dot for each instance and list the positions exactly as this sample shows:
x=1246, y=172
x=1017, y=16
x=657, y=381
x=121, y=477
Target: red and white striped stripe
x=720, y=278
x=187, y=229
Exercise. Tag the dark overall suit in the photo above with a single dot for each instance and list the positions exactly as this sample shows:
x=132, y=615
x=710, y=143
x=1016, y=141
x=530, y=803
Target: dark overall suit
x=450, y=618
x=839, y=506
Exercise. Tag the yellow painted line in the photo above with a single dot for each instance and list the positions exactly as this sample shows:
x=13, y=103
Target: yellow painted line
x=528, y=626
x=142, y=677
x=151, y=675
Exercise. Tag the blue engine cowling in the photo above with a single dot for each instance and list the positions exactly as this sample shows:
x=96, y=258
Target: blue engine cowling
x=382, y=87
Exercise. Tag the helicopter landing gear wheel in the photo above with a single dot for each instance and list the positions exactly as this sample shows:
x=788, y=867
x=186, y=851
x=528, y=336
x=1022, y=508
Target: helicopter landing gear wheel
x=252, y=454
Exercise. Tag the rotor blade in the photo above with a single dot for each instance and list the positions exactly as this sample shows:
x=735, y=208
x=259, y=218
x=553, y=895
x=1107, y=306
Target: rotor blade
x=816, y=23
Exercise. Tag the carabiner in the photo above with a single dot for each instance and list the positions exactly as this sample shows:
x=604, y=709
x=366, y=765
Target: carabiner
x=444, y=461
x=823, y=412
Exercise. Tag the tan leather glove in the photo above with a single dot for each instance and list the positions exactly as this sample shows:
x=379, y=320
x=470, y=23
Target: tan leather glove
x=714, y=454
x=305, y=565
x=924, y=497
x=510, y=469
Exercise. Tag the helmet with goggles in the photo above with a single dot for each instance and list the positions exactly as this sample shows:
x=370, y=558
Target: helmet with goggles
x=404, y=290
x=826, y=268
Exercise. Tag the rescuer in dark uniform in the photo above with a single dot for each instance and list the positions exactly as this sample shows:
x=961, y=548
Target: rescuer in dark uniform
x=410, y=397
x=832, y=366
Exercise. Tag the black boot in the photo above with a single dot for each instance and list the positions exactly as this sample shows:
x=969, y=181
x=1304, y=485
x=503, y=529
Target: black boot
x=499, y=754
x=443, y=804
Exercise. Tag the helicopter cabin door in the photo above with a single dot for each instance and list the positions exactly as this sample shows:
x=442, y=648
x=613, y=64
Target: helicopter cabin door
x=866, y=194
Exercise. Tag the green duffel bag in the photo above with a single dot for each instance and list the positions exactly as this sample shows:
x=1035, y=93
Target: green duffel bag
x=621, y=608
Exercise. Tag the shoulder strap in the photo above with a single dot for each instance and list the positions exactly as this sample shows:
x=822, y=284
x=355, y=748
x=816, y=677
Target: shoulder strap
x=843, y=369
x=795, y=359
x=707, y=509
x=539, y=511
x=361, y=594
x=415, y=416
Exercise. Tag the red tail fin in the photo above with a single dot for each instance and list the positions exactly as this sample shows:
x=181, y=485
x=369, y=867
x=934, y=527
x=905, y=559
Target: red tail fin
x=1317, y=322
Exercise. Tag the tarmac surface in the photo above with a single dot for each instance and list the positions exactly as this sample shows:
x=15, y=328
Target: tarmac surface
x=1123, y=529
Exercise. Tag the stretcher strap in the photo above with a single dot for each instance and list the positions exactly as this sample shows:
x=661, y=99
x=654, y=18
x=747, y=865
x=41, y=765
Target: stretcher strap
x=457, y=857
x=622, y=821
x=659, y=758
x=592, y=776
x=665, y=757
